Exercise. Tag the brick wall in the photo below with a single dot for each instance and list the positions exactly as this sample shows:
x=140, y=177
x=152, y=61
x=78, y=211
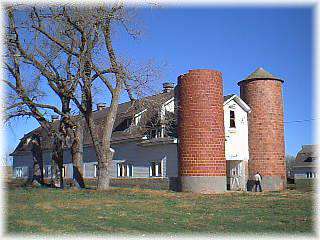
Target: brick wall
x=266, y=128
x=201, y=124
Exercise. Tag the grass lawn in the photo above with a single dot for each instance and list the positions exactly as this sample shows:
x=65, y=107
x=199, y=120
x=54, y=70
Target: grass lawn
x=31, y=210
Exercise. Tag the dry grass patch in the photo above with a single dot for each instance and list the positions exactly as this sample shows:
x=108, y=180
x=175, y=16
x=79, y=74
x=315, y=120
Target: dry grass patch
x=154, y=211
x=45, y=206
x=29, y=223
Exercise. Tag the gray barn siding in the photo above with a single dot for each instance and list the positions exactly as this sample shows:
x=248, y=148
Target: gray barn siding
x=23, y=161
x=89, y=155
x=304, y=170
x=139, y=156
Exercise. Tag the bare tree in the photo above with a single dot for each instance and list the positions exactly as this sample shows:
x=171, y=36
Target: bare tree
x=80, y=55
x=90, y=30
x=45, y=63
x=289, y=165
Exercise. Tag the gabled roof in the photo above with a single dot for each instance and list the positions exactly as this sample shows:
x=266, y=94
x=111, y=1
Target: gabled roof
x=307, y=156
x=238, y=100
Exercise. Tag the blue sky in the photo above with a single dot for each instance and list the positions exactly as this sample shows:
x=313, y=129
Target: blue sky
x=234, y=41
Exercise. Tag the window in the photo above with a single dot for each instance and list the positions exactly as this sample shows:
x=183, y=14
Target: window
x=156, y=133
x=124, y=170
x=48, y=172
x=310, y=175
x=155, y=169
x=232, y=119
x=309, y=159
x=126, y=123
x=19, y=172
x=63, y=171
x=95, y=170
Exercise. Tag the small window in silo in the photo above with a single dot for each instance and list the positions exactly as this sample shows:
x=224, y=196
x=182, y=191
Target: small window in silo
x=232, y=119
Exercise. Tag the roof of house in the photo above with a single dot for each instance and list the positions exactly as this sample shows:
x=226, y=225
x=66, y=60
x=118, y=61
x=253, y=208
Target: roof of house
x=238, y=100
x=125, y=110
x=307, y=156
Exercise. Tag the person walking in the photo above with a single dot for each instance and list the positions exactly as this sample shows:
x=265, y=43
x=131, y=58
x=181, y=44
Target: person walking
x=257, y=183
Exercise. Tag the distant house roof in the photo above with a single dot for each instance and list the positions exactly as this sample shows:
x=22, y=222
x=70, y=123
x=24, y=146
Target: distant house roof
x=125, y=111
x=262, y=74
x=307, y=156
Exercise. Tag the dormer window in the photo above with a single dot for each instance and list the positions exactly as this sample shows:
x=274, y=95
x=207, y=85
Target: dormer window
x=309, y=159
x=232, y=119
x=125, y=124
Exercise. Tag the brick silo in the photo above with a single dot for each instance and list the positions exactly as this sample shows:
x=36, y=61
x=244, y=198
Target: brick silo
x=263, y=93
x=202, y=163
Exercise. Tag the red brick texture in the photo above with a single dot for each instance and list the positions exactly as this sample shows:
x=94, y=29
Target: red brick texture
x=266, y=130
x=201, y=124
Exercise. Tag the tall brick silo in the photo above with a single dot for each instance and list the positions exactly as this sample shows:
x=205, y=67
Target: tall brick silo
x=202, y=163
x=263, y=93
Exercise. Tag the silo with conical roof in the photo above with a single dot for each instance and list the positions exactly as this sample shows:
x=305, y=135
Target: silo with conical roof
x=263, y=93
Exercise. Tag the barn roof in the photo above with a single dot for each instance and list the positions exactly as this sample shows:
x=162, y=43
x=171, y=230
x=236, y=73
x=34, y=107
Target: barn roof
x=307, y=156
x=125, y=110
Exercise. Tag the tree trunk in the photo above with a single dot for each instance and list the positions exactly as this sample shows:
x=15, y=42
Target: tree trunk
x=37, y=160
x=103, y=182
x=77, y=156
x=57, y=160
x=106, y=160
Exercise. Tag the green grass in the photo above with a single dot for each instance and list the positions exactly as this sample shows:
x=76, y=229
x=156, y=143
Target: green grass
x=53, y=211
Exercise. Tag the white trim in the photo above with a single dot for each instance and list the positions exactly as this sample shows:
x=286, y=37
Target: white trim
x=239, y=101
x=138, y=115
x=123, y=165
x=169, y=101
x=156, y=174
x=95, y=174
x=20, y=172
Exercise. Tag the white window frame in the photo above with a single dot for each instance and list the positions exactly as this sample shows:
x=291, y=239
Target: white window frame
x=234, y=119
x=49, y=170
x=89, y=165
x=156, y=174
x=20, y=171
x=126, y=167
x=95, y=174
x=310, y=175
x=64, y=171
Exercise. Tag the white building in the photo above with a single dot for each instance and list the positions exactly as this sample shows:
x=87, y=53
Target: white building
x=236, y=141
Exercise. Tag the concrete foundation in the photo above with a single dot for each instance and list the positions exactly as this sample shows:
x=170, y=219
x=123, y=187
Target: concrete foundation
x=269, y=183
x=203, y=184
x=273, y=183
